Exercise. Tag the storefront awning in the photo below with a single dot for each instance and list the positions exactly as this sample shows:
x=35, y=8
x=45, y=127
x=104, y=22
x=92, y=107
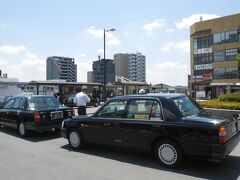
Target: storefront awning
x=221, y=84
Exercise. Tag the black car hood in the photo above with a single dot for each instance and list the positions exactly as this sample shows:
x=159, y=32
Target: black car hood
x=82, y=117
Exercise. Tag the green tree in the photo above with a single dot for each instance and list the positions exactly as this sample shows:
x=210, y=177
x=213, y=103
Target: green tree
x=238, y=55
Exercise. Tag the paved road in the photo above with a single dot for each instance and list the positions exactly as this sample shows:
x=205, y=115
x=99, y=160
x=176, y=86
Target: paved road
x=49, y=157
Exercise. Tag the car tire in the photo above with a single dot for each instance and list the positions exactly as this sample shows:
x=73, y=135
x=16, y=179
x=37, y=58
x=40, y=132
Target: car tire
x=75, y=139
x=169, y=153
x=22, y=129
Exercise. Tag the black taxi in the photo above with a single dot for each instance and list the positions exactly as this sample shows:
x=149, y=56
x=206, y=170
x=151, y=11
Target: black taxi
x=36, y=113
x=172, y=126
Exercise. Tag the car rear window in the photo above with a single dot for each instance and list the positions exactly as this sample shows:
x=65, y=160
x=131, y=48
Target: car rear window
x=186, y=105
x=37, y=103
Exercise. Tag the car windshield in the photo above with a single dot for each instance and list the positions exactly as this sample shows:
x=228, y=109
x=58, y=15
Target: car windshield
x=186, y=105
x=7, y=98
x=37, y=103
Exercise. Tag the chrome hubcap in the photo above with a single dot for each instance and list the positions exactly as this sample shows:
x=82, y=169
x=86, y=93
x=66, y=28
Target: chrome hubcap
x=74, y=139
x=21, y=129
x=167, y=154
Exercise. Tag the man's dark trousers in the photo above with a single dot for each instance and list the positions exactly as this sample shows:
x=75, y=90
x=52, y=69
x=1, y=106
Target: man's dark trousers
x=81, y=110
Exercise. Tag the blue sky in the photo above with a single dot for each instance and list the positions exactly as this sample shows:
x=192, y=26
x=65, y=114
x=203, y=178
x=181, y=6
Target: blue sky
x=30, y=31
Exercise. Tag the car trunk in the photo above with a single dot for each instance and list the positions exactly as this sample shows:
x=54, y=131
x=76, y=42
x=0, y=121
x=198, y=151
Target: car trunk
x=226, y=125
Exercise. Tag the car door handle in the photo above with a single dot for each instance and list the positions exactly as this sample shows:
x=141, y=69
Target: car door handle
x=106, y=124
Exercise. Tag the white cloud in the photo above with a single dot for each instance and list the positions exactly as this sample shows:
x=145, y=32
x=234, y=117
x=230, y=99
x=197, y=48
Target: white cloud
x=19, y=62
x=183, y=46
x=100, y=52
x=98, y=33
x=82, y=68
x=12, y=50
x=111, y=40
x=170, y=30
x=3, y=62
x=154, y=25
x=82, y=55
x=188, y=21
x=168, y=72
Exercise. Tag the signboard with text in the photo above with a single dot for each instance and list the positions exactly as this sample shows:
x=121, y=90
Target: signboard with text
x=204, y=77
x=203, y=66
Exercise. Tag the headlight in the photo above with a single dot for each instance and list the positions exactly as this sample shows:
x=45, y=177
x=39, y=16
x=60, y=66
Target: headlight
x=63, y=124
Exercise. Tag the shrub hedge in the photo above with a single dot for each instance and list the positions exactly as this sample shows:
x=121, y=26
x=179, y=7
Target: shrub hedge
x=220, y=104
x=230, y=97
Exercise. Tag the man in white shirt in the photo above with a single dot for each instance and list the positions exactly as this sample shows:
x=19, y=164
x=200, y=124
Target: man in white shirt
x=81, y=100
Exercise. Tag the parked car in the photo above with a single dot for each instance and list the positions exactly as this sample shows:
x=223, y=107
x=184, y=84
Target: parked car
x=37, y=113
x=172, y=126
x=4, y=101
x=69, y=101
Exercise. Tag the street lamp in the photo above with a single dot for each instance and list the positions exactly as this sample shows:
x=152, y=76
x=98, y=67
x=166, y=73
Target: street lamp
x=104, y=57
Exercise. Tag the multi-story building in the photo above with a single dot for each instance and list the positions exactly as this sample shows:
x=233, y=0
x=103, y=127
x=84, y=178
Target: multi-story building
x=89, y=77
x=214, y=47
x=121, y=65
x=131, y=66
x=98, y=71
x=61, y=68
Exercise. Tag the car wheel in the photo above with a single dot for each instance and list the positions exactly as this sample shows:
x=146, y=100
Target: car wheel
x=75, y=139
x=22, y=129
x=169, y=153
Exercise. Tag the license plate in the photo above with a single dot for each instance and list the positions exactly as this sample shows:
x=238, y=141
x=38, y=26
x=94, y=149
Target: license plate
x=56, y=115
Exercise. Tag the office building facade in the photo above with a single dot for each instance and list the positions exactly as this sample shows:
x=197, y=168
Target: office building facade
x=121, y=65
x=63, y=68
x=214, y=47
x=131, y=66
x=98, y=71
x=89, y=76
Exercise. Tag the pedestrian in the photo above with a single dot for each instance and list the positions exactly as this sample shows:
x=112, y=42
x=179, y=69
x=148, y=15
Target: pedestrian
x=57, y=96
x=81, y=99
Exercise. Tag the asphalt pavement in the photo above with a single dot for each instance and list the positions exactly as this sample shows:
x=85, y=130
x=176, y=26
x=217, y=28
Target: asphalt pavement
x=47, y=156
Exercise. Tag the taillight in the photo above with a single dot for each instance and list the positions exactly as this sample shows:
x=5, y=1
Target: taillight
x=222, y=134
x=37, y=117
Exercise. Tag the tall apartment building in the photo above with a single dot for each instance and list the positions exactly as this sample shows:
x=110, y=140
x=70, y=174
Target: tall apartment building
x=61, y=68
x=89, y=76
x=121, y=65
x=214, y=47
x=131, y=66
x=98, y=71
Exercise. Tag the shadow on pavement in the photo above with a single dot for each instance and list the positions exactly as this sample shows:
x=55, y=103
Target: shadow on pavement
x=228, y=168
x=33, y=136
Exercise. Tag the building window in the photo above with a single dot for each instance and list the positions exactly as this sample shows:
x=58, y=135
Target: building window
x=203, y=58
x=225, y=37
x=203, y=42
x=231, y=54
x=219, y=73
x=226, y=73
x=219, y=55
x=231, y=73
x=217, y=38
